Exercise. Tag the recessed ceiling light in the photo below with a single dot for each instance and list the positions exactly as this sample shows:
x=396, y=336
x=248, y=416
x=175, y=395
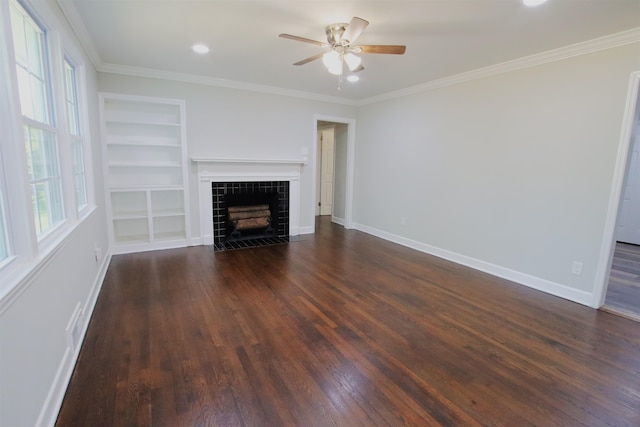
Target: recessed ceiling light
x=353, y=78
x=533, y=3
x=200, y=48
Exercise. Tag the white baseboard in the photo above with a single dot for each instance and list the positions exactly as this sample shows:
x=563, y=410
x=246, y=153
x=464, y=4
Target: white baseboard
x=198, y=241
x=306, y=230
x=147, y=247
x=53, y=401
x=95, y=291
x=537, y=283
x=339, y=221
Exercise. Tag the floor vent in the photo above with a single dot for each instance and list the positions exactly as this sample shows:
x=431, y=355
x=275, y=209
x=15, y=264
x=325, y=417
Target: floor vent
x=74, y=328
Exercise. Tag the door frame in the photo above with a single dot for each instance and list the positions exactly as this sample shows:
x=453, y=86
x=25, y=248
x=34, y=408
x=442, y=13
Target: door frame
x=351, y=146
x=603, y=269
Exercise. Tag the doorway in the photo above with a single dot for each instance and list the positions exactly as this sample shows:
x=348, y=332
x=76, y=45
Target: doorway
x=333, y=164
x=623, y=290
x=618, y=275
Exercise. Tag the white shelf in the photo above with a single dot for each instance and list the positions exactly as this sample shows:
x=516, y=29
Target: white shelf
x=159, y=214
x=138, y=140
x=125, y=216
x=134, y=143
x=145, y=163
x=139, y=122
x=119, y=189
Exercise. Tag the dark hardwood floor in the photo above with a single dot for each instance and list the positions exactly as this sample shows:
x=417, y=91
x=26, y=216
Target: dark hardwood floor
x=623, y=292
x=343, y=329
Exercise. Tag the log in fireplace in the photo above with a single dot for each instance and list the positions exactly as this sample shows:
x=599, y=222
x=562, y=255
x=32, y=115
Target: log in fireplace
x=248, y=218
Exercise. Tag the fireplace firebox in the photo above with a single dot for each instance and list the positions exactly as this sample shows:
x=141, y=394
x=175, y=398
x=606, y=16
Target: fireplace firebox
x=249, y=210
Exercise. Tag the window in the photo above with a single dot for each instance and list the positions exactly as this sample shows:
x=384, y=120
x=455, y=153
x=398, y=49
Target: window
x=45, y=167
x=75, y=136
x=40, y=134
x=44, y=177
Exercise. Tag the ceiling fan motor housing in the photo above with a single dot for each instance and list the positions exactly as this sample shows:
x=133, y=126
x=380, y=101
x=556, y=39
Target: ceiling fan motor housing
x=334, y=34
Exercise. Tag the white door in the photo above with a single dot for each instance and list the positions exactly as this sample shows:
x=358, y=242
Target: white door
x=628, y=227
x=326, y=174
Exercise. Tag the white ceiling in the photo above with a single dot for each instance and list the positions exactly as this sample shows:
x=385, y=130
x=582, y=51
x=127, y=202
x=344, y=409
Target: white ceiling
x=443, y=37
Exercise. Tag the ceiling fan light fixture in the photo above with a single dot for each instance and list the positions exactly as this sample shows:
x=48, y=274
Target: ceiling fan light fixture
x=352, y=61
x=331, y=59
x=336, y=69
x=353, y=78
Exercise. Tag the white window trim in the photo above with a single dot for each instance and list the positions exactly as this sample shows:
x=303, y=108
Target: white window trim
x=85, y=132
x=70, y=51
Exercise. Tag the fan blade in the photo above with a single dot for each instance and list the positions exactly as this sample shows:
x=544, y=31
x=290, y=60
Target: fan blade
x=355, y=28
x=381, y=48
x=309, y=59
x=302, y=39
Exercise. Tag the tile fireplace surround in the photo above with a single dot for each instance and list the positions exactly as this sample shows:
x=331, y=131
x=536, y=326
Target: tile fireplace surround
x=276, y=192
x=246, y=170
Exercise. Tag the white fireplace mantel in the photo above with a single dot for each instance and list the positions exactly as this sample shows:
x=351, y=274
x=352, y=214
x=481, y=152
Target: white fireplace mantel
x=232, y=160
x=232, y=170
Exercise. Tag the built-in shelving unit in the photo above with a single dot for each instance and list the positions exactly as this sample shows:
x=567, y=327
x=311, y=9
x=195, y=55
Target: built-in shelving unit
x=144, y=147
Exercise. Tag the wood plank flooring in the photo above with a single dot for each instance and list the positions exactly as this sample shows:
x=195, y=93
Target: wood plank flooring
x=343, y=329
x=623, y=292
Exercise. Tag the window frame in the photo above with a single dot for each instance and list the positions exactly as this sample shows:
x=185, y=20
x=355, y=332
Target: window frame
x=80, y=139
x=51, y=182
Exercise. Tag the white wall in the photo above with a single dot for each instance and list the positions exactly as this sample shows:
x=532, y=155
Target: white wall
x=509, y=173
x=36, y=360
x=233, y=123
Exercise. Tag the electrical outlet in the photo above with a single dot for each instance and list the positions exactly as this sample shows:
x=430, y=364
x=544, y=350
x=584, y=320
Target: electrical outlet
x=403, y=220
x=576, y=268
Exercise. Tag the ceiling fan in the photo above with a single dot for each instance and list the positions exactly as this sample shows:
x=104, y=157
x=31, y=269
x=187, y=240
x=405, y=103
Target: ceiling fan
x=340, y=48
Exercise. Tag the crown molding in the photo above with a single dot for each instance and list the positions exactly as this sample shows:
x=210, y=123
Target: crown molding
x=72, y=16
x=216, y=82
x=582, y=48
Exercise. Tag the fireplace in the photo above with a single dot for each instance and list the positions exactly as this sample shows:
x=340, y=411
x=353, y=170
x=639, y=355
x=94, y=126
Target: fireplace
x=249, y=210
x=231, y=175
